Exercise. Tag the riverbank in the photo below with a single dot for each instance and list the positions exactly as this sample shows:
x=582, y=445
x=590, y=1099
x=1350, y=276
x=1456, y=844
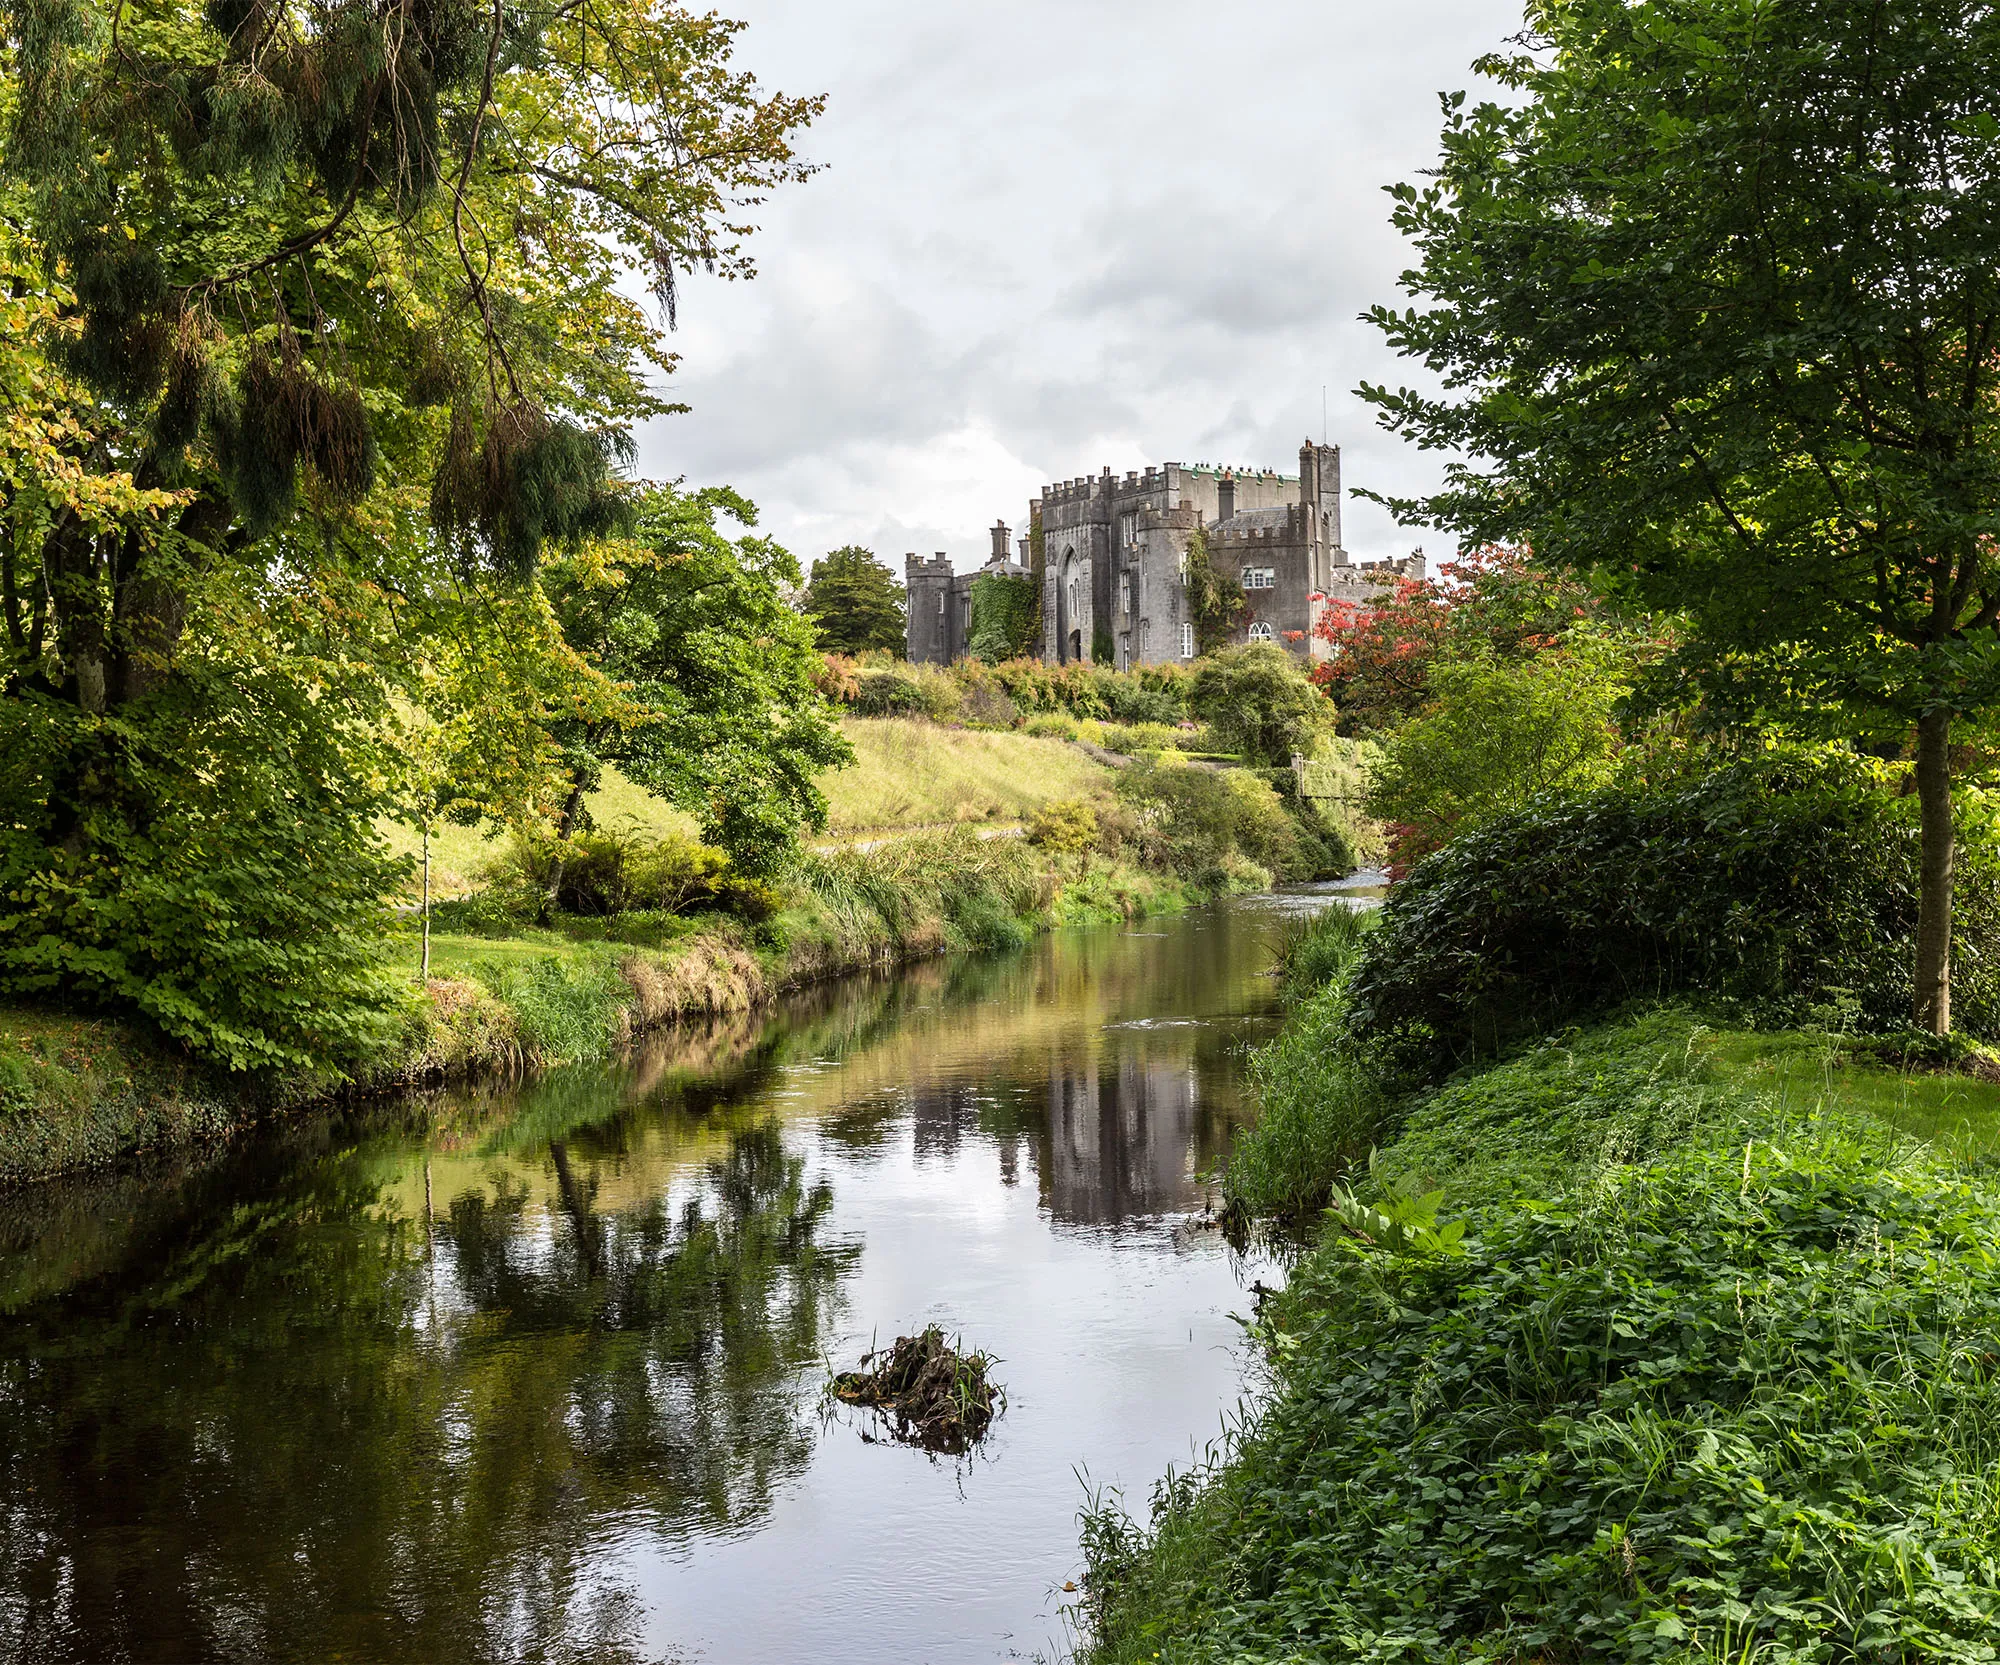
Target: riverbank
x=1654, y=1341
x=80, y=1092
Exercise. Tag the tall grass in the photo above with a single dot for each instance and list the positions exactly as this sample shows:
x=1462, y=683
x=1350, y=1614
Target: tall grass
x=1318, y=1109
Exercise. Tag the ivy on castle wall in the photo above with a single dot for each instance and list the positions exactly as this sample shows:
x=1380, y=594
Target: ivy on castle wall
x=1038, y=562
x=1005, y=612
x=1216, y=603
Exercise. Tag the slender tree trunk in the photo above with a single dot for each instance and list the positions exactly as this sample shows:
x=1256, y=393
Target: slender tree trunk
x=424, y=976
x=565, y=825
x=1933, y=1002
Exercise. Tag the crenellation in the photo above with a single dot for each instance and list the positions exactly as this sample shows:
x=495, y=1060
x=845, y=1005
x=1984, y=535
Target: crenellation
x=1115, y=548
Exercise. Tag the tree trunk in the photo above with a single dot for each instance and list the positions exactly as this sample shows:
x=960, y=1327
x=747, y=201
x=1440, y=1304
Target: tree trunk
x=1933, y=1002
x=566, y=825
x=424, y=974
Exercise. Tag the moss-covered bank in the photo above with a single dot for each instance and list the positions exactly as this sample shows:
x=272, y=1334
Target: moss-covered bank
x=79, y=1092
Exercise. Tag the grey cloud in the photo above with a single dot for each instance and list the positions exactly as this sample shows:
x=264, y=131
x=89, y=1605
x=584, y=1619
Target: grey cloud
x=1053, y=236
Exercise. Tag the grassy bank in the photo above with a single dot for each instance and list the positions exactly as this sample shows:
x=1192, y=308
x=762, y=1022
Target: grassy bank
x=907, y=773
x=80, y=1092
x=1654, y=1341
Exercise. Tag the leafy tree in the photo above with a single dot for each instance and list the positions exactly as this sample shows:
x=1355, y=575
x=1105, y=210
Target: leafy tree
x=856, y=602
x=318, y=309
x=1486, y=602
x=1259, y=702
x=1715, y=298
x=720, y=711
x=1496, y=734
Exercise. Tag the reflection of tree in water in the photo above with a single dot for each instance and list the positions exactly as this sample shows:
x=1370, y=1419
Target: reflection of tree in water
x=312, y=1433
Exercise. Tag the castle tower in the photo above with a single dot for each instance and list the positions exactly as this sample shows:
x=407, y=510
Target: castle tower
x=1319, y=496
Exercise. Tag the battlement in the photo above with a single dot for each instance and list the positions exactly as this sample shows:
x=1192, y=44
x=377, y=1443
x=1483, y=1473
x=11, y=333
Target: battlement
x=937, y=565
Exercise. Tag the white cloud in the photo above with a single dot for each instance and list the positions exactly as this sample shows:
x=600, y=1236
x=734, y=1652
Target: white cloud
x=1054, y=237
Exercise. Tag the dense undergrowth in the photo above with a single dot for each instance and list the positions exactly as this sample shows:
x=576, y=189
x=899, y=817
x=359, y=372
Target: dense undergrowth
x=1648, y=1341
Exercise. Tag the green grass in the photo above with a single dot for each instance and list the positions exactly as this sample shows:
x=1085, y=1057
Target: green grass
x=916, y=774
x=1711, y=1377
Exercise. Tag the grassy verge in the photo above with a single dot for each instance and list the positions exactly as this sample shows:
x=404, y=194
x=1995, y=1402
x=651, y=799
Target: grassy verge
x=77, y=1092
x=1711, y=1373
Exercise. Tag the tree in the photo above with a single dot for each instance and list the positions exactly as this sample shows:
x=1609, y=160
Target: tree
x=1258, y=702
x=1492, y=601
x=1715, y=299
x=1494, y=735
x=720, y=713
x=856, y=602
x=321, y=314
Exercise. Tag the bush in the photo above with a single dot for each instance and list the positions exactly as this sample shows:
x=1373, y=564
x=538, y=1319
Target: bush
x=1220, y=829
x=907, y=693
x=1066, y=826
x=1259, y=703
x=1790, y=888
x=1493, y=735
x=613, y=872
x=1136, y=739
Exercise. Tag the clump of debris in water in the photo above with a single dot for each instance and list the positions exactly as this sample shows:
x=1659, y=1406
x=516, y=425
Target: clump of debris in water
x=927, y=1392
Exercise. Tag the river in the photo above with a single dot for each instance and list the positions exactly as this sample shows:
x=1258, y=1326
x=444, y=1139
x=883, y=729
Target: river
x=535, y=1372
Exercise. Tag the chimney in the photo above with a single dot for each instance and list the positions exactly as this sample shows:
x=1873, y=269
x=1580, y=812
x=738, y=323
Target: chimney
x=999, y=544
x=1225, y=497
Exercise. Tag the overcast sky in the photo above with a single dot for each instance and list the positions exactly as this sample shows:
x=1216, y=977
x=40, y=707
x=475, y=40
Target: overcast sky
x=1053, y=235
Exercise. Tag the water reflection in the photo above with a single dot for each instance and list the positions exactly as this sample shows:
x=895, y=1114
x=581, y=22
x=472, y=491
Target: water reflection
x=469, y=1377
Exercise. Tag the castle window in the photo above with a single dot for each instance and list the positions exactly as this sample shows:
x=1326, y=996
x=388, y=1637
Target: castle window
x=940, y=604
x=1128, y=529
x=1145, y=637
x=1124, y=592
x=1187, y=641
x=1260, y=632
x=1260, y=578
x=1142, y=589
x=1125, y=650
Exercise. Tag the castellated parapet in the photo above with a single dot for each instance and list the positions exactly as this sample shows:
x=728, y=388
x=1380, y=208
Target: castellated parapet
x=1115, y=558
x=938, y=623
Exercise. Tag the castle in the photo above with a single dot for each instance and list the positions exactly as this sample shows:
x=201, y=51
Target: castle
x=1114, y=562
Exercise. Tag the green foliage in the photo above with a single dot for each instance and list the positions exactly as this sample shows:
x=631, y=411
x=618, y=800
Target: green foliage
x=605, y=873
x=720, y=712
x=1320, y=948
x=229, y=891
x=1259, y=703
x=564, y=1011
x=1003, y=617
x=1494, y=735
x=1799, y=280
x=1219, y=829
x=1319, y=1109
x=941, y=889
x=1065, y=826
x=1788, y=885
x=856, y=603
x=1216, y=603
x=1697, y=1384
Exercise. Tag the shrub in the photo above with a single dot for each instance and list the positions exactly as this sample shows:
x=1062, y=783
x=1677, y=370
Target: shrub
x=1221, y=829
x=1735, y=1404
x=612, y=872
x=1495, y=734
x=1259, y=703
x=1066, y=826
x=1791, y=888
x=1053, y=726
x=1136, y=739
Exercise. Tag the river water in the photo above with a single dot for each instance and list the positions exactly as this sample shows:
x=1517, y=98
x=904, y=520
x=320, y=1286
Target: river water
x=536, y=1373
